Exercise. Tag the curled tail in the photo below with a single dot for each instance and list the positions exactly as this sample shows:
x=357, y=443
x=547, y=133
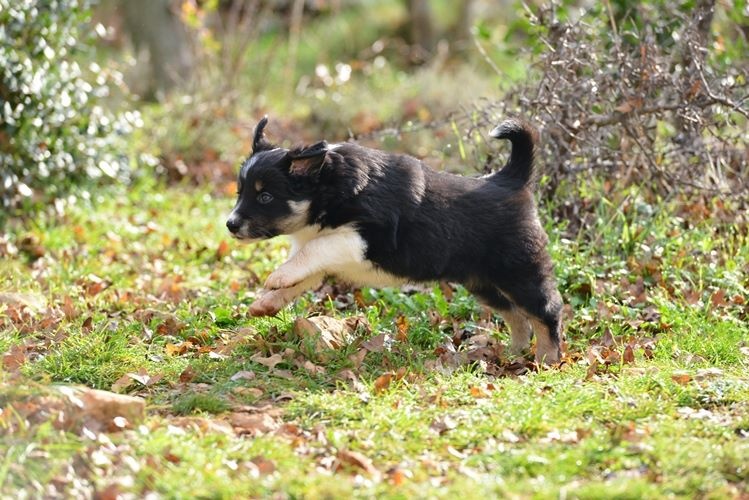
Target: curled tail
x=523, y=138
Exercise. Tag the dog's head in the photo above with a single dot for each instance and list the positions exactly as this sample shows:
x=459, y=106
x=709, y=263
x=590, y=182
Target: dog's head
x=275, y=188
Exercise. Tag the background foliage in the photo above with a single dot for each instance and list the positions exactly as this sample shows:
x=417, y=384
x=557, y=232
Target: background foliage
x=57, y=125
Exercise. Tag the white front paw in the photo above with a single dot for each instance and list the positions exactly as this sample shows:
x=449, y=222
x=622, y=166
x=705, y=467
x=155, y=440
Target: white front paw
x=268, y=304
x=282, y=278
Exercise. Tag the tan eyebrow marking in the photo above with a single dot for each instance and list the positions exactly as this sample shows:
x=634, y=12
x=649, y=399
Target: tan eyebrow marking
x=258, y=185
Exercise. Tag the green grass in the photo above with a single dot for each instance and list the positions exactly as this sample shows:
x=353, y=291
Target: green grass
x=174, y=305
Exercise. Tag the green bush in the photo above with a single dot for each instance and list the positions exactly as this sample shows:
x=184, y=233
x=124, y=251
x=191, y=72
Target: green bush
x=55, y=130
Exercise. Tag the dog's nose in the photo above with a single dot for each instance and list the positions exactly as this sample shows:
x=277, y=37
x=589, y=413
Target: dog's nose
x=233, y=225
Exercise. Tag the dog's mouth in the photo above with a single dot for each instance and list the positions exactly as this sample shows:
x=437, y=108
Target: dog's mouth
x=253, y=234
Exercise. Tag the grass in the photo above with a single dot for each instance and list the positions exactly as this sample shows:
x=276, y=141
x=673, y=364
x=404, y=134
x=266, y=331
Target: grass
x=174, y=300
x=146, y=295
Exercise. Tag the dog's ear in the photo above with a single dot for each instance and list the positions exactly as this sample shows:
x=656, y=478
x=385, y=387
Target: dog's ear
x=259, y=142
x=308, y=160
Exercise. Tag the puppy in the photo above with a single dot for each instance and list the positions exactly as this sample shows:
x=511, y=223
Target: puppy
x=380, y=219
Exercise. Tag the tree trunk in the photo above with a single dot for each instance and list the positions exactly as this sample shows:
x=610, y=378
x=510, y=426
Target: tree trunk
x=421, y=29
x=154, y=27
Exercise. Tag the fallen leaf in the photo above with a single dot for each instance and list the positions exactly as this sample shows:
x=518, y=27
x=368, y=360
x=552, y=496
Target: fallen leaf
x=358, y=358
x=253, y=424
x=447, y=290
x=110, y=492
x=270, y=361
x=592, y=369
x=264, y=465
x=401, y=324
x=629, y=355
x=87, y=324
x=14, y=358
x=204, y=425
x=383, y=382
x=681, y=377
x=187, y=375
x=327, y=332
x=478, y=392
x=396, y=476
x=708, y=373
x=442, y=424
x=34, y=302
x=375, y=344
x=101, y=410
x=359, y=299
x=68, y=308
x=312, y=368
x=242, y=375
x=356, y=460
x=178, y=349
x=223, y=250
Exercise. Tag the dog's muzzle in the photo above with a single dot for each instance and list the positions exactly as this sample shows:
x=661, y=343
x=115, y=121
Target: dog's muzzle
x=233, y=224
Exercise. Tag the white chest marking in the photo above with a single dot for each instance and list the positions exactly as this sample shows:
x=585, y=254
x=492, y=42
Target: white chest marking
x=339, y=252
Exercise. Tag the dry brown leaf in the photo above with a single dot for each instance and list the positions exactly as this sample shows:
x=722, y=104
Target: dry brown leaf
x=383, y=382
x=375, y=344
x=87, y=324
x=313, y=369
x=358, y=357
x=401, y=324
x=14, y=358
x=629, y=355
x=178, y=349
x=328, y=333
x=359, y=299
x=101, y=410
x=447, y=290
x=607, y=340
x=253, y=424
x=68, y=308
x=264, y=465
x=681, y=377
x=187, y=375
x=396, y=476
x=592, y=370
x=270, y=361
x=478, y=392
x=223, y=250
x=170, y=326
x=204, y=425
x=356, y=460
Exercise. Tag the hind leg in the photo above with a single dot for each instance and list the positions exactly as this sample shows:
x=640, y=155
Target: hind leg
x=542, y=304
x=516, y=321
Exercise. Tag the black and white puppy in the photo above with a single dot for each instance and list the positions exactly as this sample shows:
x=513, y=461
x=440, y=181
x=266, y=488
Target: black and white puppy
x=379, y=219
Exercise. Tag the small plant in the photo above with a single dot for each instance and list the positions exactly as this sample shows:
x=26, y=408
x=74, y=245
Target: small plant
x=55, y=130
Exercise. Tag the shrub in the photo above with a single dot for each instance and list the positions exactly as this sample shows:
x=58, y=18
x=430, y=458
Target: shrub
x=649, y=93
x=55, y=130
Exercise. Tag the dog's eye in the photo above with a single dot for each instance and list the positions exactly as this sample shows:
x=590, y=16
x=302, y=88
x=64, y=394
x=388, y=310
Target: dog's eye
x=264, y=198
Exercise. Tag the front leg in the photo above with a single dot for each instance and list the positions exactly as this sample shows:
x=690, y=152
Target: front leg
x=321, y=255
x=273, y=301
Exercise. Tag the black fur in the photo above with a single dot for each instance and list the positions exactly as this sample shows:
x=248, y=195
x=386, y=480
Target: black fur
x=418, y=223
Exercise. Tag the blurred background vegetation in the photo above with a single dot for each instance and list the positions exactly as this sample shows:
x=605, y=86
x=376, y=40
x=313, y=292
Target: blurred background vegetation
x=626, y=92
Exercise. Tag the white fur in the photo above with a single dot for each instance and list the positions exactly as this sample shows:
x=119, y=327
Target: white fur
x=339, y=252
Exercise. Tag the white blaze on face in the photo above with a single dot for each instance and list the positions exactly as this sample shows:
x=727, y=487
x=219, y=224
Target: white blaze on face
x=297, y=220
